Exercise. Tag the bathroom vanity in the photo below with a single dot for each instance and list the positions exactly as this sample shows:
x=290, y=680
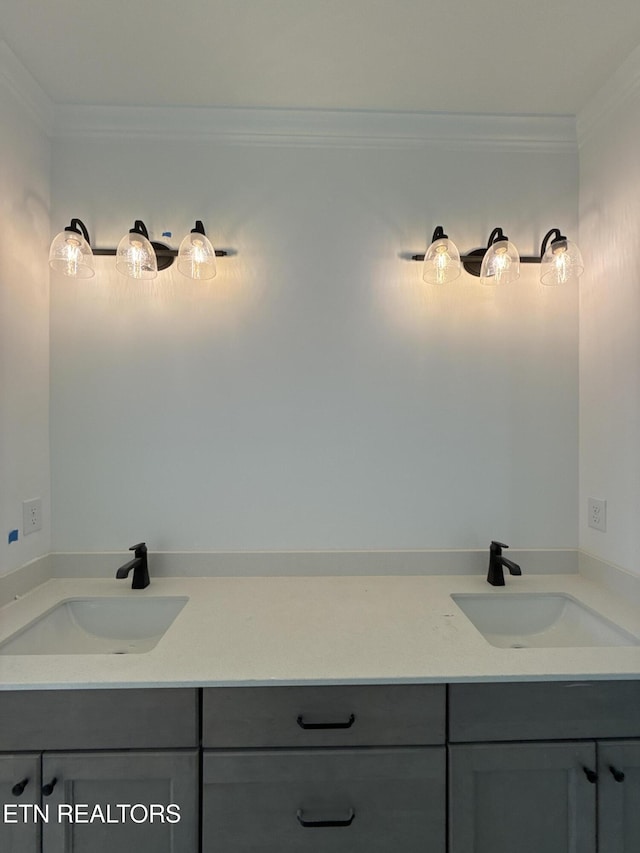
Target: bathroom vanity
x=522, y=766
x=322, y=714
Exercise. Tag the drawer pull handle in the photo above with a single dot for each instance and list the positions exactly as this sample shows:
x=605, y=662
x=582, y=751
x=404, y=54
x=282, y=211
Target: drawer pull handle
x=19, y=787
x=47, y=790
x=618, y=775
x=591, y=775
x=347, y=725
x=315, y=824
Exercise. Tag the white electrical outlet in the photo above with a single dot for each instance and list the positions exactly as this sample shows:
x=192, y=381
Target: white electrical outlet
x=31, y=516
x=597, y=510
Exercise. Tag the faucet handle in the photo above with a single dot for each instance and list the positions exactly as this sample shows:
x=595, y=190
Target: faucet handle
x=140, y=549
x=497, y=546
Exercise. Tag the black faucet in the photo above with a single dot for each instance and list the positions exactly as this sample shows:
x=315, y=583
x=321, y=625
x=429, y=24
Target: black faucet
x=496, y=562
x=139, y=566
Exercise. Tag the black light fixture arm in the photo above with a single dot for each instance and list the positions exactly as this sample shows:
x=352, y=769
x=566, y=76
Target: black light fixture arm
x=78, y=227
x=496, y=236
x=558, y=241
x=139, y=228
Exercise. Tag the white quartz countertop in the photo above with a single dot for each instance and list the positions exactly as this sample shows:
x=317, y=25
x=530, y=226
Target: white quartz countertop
x=317, y=630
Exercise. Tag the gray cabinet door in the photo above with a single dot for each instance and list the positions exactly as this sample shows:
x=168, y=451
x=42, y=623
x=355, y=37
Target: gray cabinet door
x=19, y=794
x=619, y=797
x=315, y=801
x=115, y=782
x=529, y=798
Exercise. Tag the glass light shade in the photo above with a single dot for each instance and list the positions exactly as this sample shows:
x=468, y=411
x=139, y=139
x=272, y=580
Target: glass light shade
x=135, y=257
x=197, y=257
x=71, y=255
x=500, y=264
x=441, y=262
x=561, y=263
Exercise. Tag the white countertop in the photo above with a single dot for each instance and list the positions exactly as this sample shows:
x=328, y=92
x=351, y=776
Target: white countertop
x=317, y=630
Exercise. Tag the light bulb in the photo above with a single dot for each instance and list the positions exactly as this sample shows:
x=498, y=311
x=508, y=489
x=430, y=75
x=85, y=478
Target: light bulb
x=441, y=262
x=561, y=266
x=198, y=258
x=502, y=264
x=135, y=259
x=73, y=256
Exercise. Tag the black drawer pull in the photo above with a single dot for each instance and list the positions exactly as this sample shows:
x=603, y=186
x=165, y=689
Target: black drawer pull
x=347, y=725
x=315, y=824
x=618, y=775
x=19, y=787
x=47, y=790
x=591, y=775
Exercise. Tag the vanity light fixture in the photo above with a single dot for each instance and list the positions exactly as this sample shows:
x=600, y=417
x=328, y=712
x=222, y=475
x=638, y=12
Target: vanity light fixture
x=71, y=253
x=136, y=256
x=499, y=263
x=442, y=259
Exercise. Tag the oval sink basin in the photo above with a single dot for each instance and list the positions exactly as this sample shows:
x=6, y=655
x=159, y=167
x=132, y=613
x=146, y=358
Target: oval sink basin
x=539, y=620
x=90, y=626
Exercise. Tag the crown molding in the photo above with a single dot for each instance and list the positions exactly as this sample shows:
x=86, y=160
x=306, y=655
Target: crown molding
x=619, y=89
x=317, y=128
x=25, y=88
x=288, y=127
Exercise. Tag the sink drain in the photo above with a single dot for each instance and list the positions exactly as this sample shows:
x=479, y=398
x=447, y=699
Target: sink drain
x=519, y=646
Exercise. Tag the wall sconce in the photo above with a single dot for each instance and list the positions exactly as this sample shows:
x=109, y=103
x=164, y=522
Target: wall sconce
x=499, y=263
x=136, y=256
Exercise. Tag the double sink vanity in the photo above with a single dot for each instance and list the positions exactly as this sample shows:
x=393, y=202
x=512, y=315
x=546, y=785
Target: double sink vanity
x=353, y=713
x=122, y=625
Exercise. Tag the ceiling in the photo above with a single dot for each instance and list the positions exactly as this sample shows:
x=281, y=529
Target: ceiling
x=487, y=56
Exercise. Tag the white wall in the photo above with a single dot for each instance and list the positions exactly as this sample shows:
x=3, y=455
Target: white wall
x=610, y=316
x=316, y=395
x=24, y=311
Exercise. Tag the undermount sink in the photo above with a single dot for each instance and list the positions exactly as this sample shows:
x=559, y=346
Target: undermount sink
x=90, y=626
x=539, y=620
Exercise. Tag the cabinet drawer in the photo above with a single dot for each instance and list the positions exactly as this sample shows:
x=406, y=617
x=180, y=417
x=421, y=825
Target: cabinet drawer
x=324, y=716
x=346, y=801
x=98, y=719
x=544, y=710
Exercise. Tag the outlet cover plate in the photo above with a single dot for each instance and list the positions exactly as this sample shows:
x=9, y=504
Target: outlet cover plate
x=597, y=510
x=31, y=516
